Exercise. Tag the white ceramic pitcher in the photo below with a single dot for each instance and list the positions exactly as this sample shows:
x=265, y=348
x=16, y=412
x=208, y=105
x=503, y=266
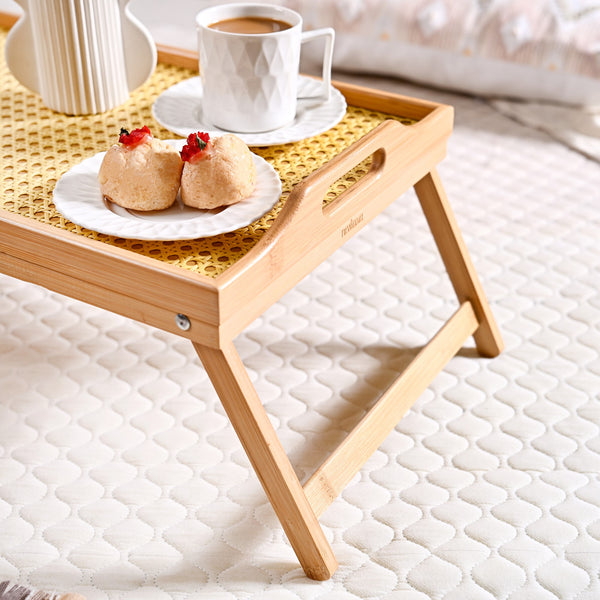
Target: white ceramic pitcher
x=81, y=56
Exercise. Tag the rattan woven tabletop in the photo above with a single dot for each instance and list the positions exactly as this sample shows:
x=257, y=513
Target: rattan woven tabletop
x=39, y=146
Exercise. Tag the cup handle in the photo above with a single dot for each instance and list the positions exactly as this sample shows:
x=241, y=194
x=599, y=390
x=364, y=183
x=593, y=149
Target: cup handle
x=329, y=34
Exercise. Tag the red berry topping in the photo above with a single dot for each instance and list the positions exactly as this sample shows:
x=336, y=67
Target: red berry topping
x=195, y=146
x=137, y=136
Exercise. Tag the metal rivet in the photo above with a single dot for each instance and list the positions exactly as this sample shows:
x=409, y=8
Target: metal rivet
x=182, y=322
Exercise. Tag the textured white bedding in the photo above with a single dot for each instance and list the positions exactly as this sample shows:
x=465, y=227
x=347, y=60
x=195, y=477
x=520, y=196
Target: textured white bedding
x=120, y=477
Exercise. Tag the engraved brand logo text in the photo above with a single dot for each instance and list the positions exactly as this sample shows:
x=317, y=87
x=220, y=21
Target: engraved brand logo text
x=352, y=224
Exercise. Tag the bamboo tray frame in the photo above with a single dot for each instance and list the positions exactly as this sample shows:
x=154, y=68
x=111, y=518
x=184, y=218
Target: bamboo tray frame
x=207, y=310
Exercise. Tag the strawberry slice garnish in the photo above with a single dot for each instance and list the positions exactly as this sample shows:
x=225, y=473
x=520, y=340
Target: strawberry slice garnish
x=137, y=136
x=196, y=145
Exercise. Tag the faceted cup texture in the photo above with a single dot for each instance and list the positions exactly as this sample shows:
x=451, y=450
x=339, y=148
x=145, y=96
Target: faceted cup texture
x=249, y=82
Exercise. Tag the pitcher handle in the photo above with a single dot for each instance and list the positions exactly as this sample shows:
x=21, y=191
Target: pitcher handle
x=20, y=45
x=138, y=46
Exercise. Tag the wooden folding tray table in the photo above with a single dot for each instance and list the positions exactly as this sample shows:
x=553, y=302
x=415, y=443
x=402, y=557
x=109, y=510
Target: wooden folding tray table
x=161, y=285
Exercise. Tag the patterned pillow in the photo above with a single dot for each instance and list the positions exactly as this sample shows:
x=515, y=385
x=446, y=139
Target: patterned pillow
x=534, y=49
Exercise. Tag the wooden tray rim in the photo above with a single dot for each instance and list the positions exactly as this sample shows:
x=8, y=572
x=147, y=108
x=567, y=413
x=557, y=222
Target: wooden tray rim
x=105, y=272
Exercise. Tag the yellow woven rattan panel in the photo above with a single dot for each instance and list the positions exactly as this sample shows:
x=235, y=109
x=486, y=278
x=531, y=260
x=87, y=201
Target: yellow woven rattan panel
x=39, y=146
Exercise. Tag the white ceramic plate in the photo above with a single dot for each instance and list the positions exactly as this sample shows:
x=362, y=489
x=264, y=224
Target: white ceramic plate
x=179, y=109
x=77, y=197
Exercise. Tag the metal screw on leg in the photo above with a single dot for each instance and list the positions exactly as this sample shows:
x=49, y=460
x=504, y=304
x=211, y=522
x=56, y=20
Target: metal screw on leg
x=182, y=322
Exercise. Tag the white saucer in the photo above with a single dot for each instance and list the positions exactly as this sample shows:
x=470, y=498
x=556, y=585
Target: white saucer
x=179, y=109
x=78, y=198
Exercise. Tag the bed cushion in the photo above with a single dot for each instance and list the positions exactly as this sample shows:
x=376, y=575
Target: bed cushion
x=540, y=49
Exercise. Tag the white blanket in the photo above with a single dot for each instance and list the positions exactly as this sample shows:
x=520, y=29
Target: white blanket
x=120, y=477
x=579, y=128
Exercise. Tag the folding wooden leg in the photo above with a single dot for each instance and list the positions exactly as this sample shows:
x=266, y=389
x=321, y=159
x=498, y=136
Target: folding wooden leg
x=272, y=466
x=461, y=271
x=345, y=461
x=298, y=507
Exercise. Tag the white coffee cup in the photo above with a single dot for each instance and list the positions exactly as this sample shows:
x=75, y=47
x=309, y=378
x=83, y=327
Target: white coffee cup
x=250, y=80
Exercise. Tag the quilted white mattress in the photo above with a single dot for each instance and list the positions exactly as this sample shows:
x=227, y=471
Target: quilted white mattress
x=120, y=477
